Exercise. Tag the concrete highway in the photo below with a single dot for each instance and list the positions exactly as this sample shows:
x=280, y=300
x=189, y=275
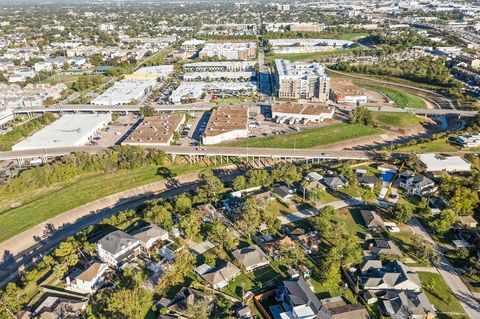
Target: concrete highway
x=279, y=153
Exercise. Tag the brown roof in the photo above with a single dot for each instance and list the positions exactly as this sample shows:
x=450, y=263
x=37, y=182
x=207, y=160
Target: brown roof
x=356, y=311
x=307, y=109
x=371, y=218
x=156, y=129
x=225, y=119
x=90, y=272
x=345, y=88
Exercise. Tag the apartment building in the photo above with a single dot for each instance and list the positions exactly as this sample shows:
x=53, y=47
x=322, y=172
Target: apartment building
x=229, y=50
x=232, y=66
x=301, y=81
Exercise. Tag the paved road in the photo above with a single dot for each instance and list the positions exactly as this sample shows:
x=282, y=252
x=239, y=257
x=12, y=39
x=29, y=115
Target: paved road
x=448, y=272
x=312, y=153
x=19, y=252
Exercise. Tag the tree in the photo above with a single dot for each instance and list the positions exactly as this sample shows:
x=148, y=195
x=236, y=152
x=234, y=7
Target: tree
x=304, y=185
x=444, y=221
x=210, y=190
x=239, y=183
x=402, y=212
x=199, y=310
x=423, y=250
x=315, y=195
x=361, y=115
x=183, y=203
x=271, y=221
x=464, y=201
x=129, y=303
x=12, y=300
x=191, y=223
x=286, y=172
x=463, y=253
x=220, y=234
x=250, y=220
x=148, y=110
x=414, y=162
x=161, y=215
x=369, y=197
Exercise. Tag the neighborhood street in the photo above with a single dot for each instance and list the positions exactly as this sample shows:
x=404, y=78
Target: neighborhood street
x=448, y=272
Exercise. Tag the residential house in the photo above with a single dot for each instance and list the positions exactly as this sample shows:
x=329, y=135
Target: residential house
x=467, y=222
x=274, y=247
x=299, y=301
x=369, y=181
x=186, y=298
x=283, y=191
x=250, y=257
x=437, y=204
x=309, y=241
x=335, y=182
x=117, y=248
x=392, y=276
x=372, y=220
x=384, y=247
x=417, y=184
x=218, y=277
x=407, y=304
x=314, y=181
x=54, y=306
x=89, y=280
x=150, y=235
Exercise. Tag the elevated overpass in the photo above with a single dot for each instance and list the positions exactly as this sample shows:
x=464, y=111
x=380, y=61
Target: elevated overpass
x=216, y=153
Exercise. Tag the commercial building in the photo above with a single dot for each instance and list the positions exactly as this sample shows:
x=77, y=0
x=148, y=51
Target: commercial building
x=438, y=163
x=288, y=46
x=68, y=131
x=188, y=91
x=125, y=92
x=228, y=29
x=158, y=72
x=222, y=76
x=301, y=81
x=226, y=123
x=229, y=50
x=156, y=130
x=191, y=45
x=293, y=113
x=469, y=140
x=344, y=91
x=231, y=66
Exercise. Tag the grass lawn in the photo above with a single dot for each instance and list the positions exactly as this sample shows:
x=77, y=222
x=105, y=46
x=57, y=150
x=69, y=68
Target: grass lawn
x=352, y=191
x=255, y=282
x=293, y=57
x=68, y=79
x=352, y=220
x=277, y=207
x=325, y=197
x=309, y=138
x=400, y=119
x=439, y=294
x=233, y=100
x=440, y=145
x=84, y=190
x=402, y=99
x=322, y=291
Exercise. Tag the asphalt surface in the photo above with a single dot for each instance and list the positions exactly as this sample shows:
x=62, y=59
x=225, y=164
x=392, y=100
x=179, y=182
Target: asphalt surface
x=449, y=274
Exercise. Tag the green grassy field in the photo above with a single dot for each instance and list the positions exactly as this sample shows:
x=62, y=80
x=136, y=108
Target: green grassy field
x=68, y=79
x=309, y=138
x=440, y=145
x=439, y=294
x=233, y=100
x=402, y=99
x=86, y=189
x=400, y=119
x=306, y=56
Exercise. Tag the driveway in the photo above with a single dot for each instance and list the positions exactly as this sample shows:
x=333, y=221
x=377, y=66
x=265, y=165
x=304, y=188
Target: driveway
x=448, y=272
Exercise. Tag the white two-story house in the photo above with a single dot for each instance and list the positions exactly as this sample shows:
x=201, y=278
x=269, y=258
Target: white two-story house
x=117, y=248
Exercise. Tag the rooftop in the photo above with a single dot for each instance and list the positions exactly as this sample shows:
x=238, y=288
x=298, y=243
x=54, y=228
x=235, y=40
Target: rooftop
x=156, y=129
x=306, y=109
x=225, y=119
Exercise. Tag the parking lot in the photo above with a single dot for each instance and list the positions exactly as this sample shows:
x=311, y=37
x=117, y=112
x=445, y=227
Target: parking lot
x=116, y=131
x=194, y=127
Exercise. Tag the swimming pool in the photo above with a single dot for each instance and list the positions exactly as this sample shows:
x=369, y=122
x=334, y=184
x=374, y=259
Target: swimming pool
x=387, y=176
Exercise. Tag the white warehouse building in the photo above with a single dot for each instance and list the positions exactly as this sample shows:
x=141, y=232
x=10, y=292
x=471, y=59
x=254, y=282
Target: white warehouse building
x=68, y=131
x=225, y=124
